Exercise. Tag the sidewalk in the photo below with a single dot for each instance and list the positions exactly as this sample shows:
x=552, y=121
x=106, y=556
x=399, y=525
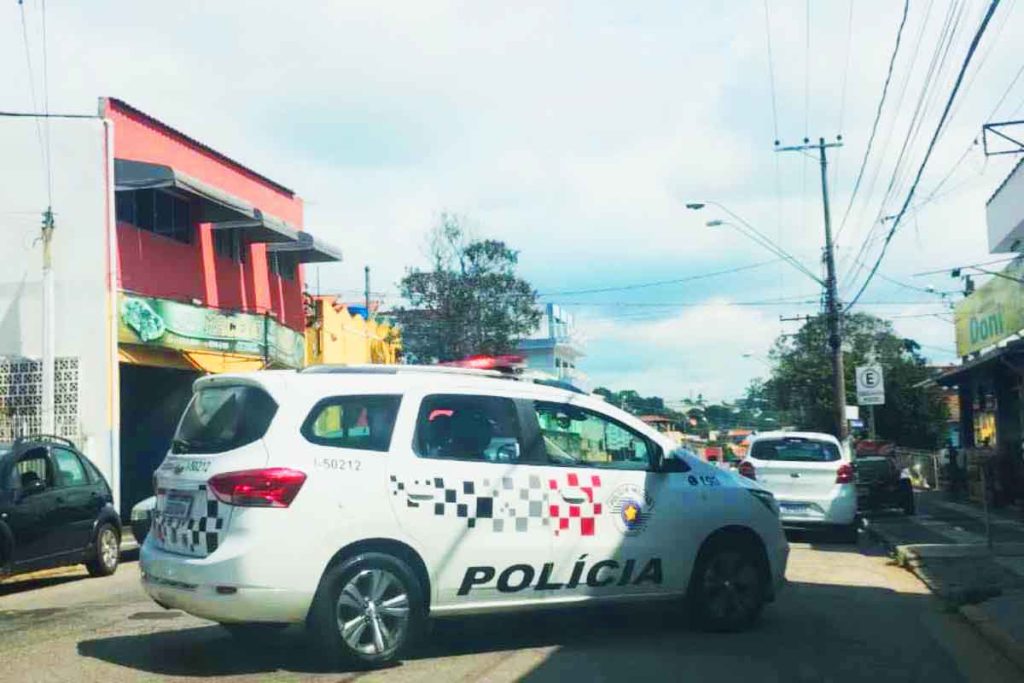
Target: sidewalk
x=946, y=546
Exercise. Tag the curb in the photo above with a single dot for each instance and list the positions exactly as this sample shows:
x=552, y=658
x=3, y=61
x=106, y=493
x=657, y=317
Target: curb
x=995, y=635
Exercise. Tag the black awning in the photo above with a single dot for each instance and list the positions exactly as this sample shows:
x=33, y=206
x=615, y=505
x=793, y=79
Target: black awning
x=307, y=249
x=1011, y=356
x=223, y=210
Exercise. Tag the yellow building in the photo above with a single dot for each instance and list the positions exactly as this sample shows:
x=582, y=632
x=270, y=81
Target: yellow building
x=335, y=335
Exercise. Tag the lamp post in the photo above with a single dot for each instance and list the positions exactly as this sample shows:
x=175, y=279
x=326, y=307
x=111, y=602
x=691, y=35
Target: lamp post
x=828, y=284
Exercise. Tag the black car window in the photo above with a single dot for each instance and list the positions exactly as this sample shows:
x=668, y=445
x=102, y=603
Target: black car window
x=33, y=465
x=467, y=427
x=222, y=418
x=579, y=437
x=359, y=422
x=794, y=449
x=70, y=471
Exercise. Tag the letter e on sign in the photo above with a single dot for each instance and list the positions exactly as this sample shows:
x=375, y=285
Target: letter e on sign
x=870, y=385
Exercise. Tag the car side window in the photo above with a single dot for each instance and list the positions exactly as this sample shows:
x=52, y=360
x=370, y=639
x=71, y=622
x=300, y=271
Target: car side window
x=579, y=437
x=32, y=466
x=70, y=471
x=359, y=422
x=468, y=427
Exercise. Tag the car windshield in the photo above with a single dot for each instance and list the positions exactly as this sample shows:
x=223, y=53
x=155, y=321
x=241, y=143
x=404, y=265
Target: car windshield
x=221, y=418
x=795, y=449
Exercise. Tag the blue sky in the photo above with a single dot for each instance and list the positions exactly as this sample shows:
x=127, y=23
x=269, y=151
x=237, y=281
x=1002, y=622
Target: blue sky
x=575, y=131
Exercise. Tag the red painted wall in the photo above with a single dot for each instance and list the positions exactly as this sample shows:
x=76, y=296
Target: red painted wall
x=153, y=265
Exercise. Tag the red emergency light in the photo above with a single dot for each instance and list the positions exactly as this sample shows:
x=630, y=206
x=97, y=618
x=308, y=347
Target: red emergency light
x=508, y=362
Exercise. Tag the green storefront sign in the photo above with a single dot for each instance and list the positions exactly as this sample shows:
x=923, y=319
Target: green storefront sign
x=174, y=325
x=992, y=313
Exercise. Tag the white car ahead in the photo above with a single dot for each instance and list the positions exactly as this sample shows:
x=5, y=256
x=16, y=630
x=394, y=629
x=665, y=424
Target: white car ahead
x=811, y=476
x=363, y=500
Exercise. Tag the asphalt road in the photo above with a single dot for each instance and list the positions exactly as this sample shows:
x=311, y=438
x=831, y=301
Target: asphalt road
x=848, y=615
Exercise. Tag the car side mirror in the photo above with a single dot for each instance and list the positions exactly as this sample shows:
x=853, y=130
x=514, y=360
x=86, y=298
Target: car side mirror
x=508, y=452
x=672, y=462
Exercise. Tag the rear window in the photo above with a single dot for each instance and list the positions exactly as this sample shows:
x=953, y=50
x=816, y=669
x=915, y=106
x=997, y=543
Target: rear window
x=220, y=419
x=361, y=422
x=795, y=450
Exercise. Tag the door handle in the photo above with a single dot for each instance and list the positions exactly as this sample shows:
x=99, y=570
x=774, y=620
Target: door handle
x=419, y=495
x=571, y=494
x=795, y=475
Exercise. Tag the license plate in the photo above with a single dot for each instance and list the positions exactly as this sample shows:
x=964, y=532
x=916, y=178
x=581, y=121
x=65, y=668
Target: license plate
x=794, y=508
x=177, y=506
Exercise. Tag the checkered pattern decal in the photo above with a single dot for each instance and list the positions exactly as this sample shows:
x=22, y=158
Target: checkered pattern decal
x=199, y=534
x=585, y=513
x=506, y=504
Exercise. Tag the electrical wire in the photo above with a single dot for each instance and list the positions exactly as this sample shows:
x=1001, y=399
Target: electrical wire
x=32, y=91
x=970, y=265
x=842, y=96
x=994, y=4
x=878, y=115
x=46, y=112
x=659, y=283
x=771, y=69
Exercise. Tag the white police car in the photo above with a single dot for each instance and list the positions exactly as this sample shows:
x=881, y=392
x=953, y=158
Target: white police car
x=361, y=500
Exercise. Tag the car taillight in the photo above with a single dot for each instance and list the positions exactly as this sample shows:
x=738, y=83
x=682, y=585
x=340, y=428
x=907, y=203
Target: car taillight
x=746, y=469
x=275, y=487
x=844, y=475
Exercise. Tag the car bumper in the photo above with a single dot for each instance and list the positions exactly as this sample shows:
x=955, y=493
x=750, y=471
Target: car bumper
x=838, y=509
x=199, y=586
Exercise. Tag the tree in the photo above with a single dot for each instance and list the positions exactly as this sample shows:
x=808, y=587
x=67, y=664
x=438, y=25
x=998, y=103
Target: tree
x=470, y=302
x=801, y=379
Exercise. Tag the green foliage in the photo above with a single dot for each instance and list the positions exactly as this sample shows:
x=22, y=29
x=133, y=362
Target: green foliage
x=470, y=302
x=800, y=385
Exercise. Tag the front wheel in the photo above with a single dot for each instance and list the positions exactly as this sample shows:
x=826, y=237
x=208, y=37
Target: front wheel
x=107, y=552
x=727, y=590
x=368, y=610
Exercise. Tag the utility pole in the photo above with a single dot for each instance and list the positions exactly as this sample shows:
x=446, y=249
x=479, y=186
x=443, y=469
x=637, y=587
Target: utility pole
x=835, y=335
x=49, y=320
x=366, y=278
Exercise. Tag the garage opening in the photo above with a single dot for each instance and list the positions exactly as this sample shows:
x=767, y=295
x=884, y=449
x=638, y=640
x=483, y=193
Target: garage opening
x=152, y=401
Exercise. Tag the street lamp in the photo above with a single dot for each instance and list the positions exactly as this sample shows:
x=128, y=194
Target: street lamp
x=756, y=235
x=835, y=339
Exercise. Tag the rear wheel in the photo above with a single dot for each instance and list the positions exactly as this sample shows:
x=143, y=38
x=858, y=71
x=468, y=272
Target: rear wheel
x=368, y=610
x=107, y=552
x=727, y=590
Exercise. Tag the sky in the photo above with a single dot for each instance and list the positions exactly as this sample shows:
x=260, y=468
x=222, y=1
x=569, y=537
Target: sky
x=576, y=132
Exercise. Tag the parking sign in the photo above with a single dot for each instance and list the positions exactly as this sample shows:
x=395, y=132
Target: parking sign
x=870, y=385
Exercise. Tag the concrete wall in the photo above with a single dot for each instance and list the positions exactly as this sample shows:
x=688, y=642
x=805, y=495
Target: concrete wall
x=81, y=203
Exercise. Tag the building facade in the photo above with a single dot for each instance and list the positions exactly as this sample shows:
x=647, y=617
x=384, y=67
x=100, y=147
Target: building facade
x=171, y=260
x=337, y=333
x=555, y=348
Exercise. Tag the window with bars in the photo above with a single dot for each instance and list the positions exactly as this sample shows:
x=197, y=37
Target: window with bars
x=230, y=244
x=282, y=266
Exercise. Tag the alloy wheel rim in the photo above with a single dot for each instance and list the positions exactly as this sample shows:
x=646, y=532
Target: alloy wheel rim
x=731, y=585
x=372, y=611
x=108, y=548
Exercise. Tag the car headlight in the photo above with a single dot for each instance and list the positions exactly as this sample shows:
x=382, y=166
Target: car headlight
x=140, y=514
x=767, y=499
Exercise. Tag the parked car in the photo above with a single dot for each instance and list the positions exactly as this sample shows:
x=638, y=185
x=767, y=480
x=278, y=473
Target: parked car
x=811, y=475
x=882, y=484
x=55, y=509
x=142, y=517
x=362, y=501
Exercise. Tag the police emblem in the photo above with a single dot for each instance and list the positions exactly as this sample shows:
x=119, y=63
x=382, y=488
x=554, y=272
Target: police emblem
x=632, y=508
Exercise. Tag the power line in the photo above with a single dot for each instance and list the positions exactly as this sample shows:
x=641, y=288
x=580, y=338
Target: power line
x=931, y=146
x=644, y=285
x=878, y=114
x=970, y=265
x=32, y=92
x=46, y=112
x=771, y=68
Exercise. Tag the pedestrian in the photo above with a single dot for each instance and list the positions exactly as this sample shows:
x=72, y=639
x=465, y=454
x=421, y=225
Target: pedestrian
x=953, y=470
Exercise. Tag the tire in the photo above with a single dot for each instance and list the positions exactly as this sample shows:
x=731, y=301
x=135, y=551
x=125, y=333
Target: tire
x=254, y=632
x=727, y=588
x=107, y=552
x=382, y=625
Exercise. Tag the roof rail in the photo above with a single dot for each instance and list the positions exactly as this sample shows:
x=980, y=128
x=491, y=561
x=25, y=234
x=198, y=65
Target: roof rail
x=44, y=437
x=341, y=369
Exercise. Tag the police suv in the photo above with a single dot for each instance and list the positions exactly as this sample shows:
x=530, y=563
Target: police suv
x=363, y=500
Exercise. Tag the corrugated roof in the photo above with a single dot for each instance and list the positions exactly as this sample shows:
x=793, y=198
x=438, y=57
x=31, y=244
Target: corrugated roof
x=121, y=104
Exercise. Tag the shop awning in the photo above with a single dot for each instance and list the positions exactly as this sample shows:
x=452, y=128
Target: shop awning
x=307, y=249
x=223, y=210
x=1011, y=355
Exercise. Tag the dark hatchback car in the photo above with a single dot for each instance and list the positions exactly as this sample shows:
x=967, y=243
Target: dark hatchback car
x=55, y=509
